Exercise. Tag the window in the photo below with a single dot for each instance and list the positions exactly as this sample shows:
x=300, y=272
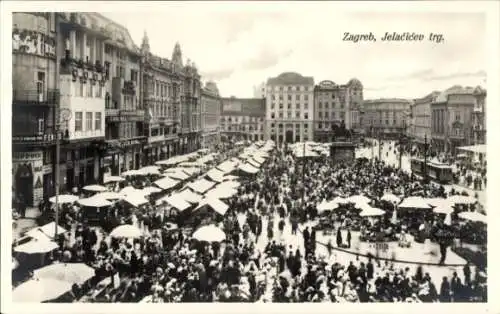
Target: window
x=90, y=90
x=306, y=105
x=386, y=121
x=272, y=125
x=80, y=94
x=272, y=115
x=333, y=115
x=320, y=105
x=289, y=115
x=306, y=116
x=78, y=121
x=281, y=115
x=320, y=125
x=306, y=97
x=281, y=105
x=290, y=97
x=326, y=115
x=40, y=125
x=320, y=115
x=88, y=120
x=98, y=121
x=289, y=106
x=333, y=96
x=297, y=114
x=457, y=116
x=297, y=106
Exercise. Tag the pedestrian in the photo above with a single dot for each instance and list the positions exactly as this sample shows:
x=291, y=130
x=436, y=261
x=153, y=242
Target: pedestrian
x=339, y=238
x=349, y=238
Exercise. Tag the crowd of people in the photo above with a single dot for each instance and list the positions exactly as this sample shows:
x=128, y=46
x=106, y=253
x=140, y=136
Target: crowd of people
x=256, y=262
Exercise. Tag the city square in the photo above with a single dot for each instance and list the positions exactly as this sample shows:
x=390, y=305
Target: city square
x=140, y=178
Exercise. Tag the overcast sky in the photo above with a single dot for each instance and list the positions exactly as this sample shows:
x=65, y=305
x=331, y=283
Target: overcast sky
x=238, y=48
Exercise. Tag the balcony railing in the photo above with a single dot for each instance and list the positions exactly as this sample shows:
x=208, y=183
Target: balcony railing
x=35, y=97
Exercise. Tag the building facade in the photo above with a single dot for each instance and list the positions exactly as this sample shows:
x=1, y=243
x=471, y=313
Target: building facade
x=289, y=108
x=210, y=115
x=190, y=108
x=387, y=118
x=243, y=119
x=479, y=117
x=161, y=96
x=420, y=121
x=35, y=98
x=335, y=104
x=452, y=117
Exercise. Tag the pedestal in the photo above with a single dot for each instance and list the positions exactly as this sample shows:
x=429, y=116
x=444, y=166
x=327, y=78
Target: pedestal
x=342, y=152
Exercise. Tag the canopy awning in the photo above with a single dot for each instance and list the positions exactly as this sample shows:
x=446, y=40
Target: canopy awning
x=474, y=148
x=166, y=183
x=248, y=168
x=201, y=185
x=175, y=201
x=215, y=204
x=215, y=174
x=190, y=196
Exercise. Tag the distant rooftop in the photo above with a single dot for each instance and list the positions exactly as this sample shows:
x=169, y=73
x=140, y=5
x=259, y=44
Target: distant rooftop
x=291, y=78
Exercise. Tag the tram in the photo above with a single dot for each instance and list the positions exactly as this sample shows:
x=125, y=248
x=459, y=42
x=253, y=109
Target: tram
x=438, y=172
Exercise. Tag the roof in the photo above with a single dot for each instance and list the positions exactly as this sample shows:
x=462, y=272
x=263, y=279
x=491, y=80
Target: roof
x=386, y=100
x=255, y=107
x=455, y=90
x=290, y=78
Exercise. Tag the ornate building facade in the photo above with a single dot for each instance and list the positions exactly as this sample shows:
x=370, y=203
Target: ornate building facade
x=289, y=108
x=453, y=117
x=335, y=104
x=210, y=115
x=419, y=126
x=162, y=82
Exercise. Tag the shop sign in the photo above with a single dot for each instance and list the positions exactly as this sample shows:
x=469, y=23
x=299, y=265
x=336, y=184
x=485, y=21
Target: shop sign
x=32, y=42
x=27, y=156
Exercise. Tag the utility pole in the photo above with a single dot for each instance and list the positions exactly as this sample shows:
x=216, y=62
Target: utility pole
x=62, y=115
x=425, y=158
x=303, y=173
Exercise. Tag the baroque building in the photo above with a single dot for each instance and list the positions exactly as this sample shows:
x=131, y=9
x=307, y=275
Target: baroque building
x=210, y=115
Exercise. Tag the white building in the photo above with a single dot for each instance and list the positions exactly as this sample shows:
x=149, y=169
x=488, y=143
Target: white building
x=290, y=108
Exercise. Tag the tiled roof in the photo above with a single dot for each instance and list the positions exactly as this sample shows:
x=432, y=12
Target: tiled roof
x=255, y=107
x=290, y=78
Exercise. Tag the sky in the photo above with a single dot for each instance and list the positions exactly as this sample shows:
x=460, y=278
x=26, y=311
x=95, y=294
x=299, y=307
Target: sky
x=238, y=48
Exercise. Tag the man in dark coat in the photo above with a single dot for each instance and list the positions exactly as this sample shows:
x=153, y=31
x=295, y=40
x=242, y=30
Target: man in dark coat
x=339, y=238
x=349, y=238
x=444, y=292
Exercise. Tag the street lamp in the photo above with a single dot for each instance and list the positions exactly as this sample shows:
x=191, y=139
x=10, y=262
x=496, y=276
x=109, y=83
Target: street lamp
x=62, y=116
x=425, y=158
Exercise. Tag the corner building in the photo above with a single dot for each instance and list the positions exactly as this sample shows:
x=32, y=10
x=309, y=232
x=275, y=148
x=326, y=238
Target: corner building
x=243, y=119
x=289, y=108
x=335, y=104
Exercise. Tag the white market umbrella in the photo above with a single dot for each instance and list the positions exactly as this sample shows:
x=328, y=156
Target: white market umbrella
x=129, y=190
x=324, y=206
x=461, y=199
x=166, y=183
x=389, y=197
x=230, y=177
x=126, y=231
x=136, y=199
x=93, y=201
x=443, y=210
x=47, y=230
x=64, y=199
x=340, y=200
x=113, y=179
x=358, y=199
x=447, y=220
x=473, y=216
x=109, y=195
x=68, y=272
x=414, y=202
x=95, y=188
x=229, y=185
x=209, y=233
x=40, y=290
x=175, y=201
x=36, y=247
x=371, y=212
x=190, y=196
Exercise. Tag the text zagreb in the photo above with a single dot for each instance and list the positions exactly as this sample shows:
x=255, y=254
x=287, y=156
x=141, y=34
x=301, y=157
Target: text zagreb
x=393, y=37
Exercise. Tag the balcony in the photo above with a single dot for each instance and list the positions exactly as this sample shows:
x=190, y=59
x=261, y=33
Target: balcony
x=49, y=97
x=124, y=115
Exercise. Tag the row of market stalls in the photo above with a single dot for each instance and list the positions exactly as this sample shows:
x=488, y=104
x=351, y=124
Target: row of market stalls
x=310, y=149
x=191, y=184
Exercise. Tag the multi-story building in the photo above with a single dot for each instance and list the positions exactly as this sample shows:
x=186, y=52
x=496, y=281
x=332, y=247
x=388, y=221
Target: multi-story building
x=35, y=98
x=452, y=117
x=289, y=108
x=161, y=98
x=259, y=91
x=387, y=118
x=124, y=111
x=190, y=131
x=210, y=115
x=335, y=104
x=243, y=118
x=479, y=117
x=419, y=126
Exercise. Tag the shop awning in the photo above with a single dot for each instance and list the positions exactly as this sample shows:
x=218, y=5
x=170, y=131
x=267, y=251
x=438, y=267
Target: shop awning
x=201, y=185
x=481, y=149
x=175, y=201
x=215, y=204
x=166, y=183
